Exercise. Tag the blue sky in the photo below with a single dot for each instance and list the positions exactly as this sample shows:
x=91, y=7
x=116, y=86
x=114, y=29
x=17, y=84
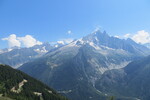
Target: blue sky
x=50, y=20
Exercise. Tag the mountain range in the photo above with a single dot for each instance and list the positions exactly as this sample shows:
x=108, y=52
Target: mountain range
x=76, y=69
x=16, y=57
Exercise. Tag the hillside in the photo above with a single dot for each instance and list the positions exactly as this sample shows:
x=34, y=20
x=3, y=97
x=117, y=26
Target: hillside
x=15, y=85
x=74, y=69
x=133, y=80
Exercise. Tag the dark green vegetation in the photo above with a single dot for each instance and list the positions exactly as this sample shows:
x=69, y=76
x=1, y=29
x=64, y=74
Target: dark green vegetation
x=10, y=78
x=5, y=98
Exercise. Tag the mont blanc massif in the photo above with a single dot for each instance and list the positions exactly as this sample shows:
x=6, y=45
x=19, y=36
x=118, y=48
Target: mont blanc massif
x=95, y=67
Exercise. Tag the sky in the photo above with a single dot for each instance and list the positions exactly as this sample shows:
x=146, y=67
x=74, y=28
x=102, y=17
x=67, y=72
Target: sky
x=29, y=22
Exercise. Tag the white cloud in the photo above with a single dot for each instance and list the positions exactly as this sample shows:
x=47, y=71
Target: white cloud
x=117, y=36
x=26, y=41
x=140, y=37
x=61, y=42
x=29, y=41
x=12, y=41
x=127, y=35
x=69, y=32
x=97, y=29
x=65, y=41
x=68, y=40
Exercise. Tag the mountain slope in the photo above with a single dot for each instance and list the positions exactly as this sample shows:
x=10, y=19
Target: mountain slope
x=18, y=86
x=18, y=56
x=104, y=39
x=147, y=45
x=133, y=80
x=73, y=68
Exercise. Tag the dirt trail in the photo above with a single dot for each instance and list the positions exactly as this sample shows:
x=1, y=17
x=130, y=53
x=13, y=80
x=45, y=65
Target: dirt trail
x=21, y=84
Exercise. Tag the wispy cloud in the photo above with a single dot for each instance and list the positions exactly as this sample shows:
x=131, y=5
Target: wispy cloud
x=65, y=41
x=117, y=36
x=69, y=32
x=62, y=41
x=127, y=35
x=98, y=28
